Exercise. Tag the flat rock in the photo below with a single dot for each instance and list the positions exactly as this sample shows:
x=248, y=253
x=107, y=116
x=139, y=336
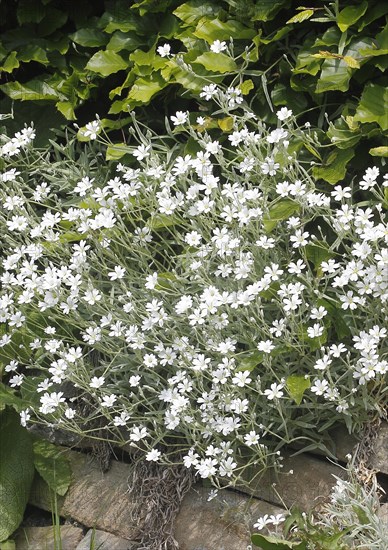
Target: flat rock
x=379, y=458
x=94, y=499
x=223, y=523
x=308, y=485
x=103, y=541
x=383, y=513
x=44, y=538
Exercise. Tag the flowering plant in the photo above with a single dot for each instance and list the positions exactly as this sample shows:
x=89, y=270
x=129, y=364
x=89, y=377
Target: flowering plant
x=206, y=304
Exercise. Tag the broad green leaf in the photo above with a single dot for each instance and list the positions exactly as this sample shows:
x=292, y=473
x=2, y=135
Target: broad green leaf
x=342, y=135
x=66, y=109
x=373, y=106
x=301, y=16
x=226, y=123
x=351, y=62
x=335, y=75
x=52, y=465
x=106, y=63
x=216, y=62
x=8, y=398
x=10, y=63
x=90, y=38
x=280, y=211
x=269, y=542
x=265, y=10
x=35, y=90
x=191, y=12
x=143, y=89
x=317, y=253
x=296, y=386
x=8, y=545
x=250, y=361
x=379, y=151
x=53, y=20
x=246, y=86
x=214, y=29
x=350, y=15
x=116, y=151
x=124, y=41
x=30, y=11
x=334, y=168
x=160, y=221
x=32, y=52
x=16, y=472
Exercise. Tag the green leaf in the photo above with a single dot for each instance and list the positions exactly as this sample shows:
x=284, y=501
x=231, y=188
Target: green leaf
x=268, y=542
x=280, y=211
x=160, y=221
x=246, y=86
x=317, y=253
x=301, y=16
x=191, y=12
x=226, y=123
x=8, y=545
x=296, y=386
x=10, y=63
x=16, y=472
x=52, y=465
x=265, y=10
x=373, y=106
x=250, y=361
x=90, y=38
x=124, y=41
x=35, y=90
x=214, y=29
x=32, y=52
x=144, y=89
x=350, y=15
x=106, y=63
x=8, y=397
x=334, y=169
x=116, y=151
x=335, y=75
x=30, y=11
x=379, y=151
x=216, y=62
x=66, y=109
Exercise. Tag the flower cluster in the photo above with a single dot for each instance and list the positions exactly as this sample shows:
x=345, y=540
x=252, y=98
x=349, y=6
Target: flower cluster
x=214, y=303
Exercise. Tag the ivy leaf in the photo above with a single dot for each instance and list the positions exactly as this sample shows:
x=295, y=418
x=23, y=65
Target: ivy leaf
x=373, y=105
x=216, y=62
x=350, y=15
x=106, y=63
x=296, y=386
x=52, y=466
x=16, y=472
x=334, y=168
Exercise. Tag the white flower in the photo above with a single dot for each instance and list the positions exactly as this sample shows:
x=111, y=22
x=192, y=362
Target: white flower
x=262, y=522
x=92, y=129
x=180, y=118
x=108, y=400
x=218, y=47
x=319, y=387
x=315, y=331
x=266, y=346
x=138, y=433
x=164, y=51
x=96, y=382
x=153, y=456
x=25, y=417
x=275, y=392
x=283, y=113
x=252, y=438
x=117, y=273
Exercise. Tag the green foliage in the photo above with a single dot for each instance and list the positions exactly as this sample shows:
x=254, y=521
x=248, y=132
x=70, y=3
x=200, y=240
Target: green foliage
x=52, y=466
x=102, y=58
x=16, y=472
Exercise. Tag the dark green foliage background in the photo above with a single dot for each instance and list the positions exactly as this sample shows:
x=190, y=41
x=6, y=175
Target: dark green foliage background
x=62, y=61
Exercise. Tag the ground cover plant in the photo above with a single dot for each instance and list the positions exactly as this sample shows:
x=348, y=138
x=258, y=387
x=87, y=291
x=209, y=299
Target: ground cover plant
x=208, y=307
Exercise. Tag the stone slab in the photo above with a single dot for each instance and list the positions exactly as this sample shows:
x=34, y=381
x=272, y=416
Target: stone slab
x=307, y=486
x=223, y=523
x=104, y=541
x=43, y=538
x=379, y=459
x=95, y=499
